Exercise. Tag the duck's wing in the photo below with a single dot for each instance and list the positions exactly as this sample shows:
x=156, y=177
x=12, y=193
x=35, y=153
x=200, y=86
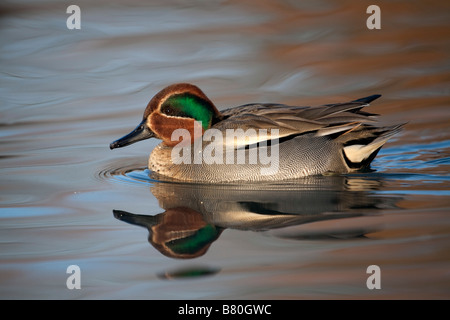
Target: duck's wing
x=292, y=120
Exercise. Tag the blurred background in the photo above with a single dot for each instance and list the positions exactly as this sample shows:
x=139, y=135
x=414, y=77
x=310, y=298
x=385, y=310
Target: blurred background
x=66, y=94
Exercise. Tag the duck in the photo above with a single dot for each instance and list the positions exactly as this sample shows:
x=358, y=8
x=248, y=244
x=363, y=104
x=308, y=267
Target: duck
x=255, y=142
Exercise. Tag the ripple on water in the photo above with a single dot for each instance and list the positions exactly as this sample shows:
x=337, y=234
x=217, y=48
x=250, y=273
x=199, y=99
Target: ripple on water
x=131, y=173
x=409, y=182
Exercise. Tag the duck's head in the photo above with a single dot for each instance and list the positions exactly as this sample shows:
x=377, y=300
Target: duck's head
x=178, y=106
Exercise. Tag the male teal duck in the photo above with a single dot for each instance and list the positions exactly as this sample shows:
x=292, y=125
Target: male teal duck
x=255, y=142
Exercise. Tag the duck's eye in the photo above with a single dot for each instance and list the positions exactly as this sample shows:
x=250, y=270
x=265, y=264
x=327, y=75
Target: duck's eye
x=172, y=110
x=167, y=110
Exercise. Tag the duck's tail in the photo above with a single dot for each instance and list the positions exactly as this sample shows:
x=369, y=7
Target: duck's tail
x=361, y=147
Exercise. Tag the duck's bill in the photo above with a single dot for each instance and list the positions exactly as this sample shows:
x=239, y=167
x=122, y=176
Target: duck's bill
x=141, y=132
x=136, y=219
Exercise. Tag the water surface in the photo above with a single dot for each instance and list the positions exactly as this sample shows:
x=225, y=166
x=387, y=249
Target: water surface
x=67, y=199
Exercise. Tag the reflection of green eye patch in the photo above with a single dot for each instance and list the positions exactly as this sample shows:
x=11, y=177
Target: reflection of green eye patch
x=194, y=242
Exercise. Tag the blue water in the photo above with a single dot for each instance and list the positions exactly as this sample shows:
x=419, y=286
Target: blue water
x=66, y=199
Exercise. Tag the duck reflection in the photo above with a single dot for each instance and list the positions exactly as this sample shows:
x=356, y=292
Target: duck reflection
x=196, y=215
x=177, y=232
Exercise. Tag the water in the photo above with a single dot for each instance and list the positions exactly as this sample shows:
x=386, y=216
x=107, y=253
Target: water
x=66, y=199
